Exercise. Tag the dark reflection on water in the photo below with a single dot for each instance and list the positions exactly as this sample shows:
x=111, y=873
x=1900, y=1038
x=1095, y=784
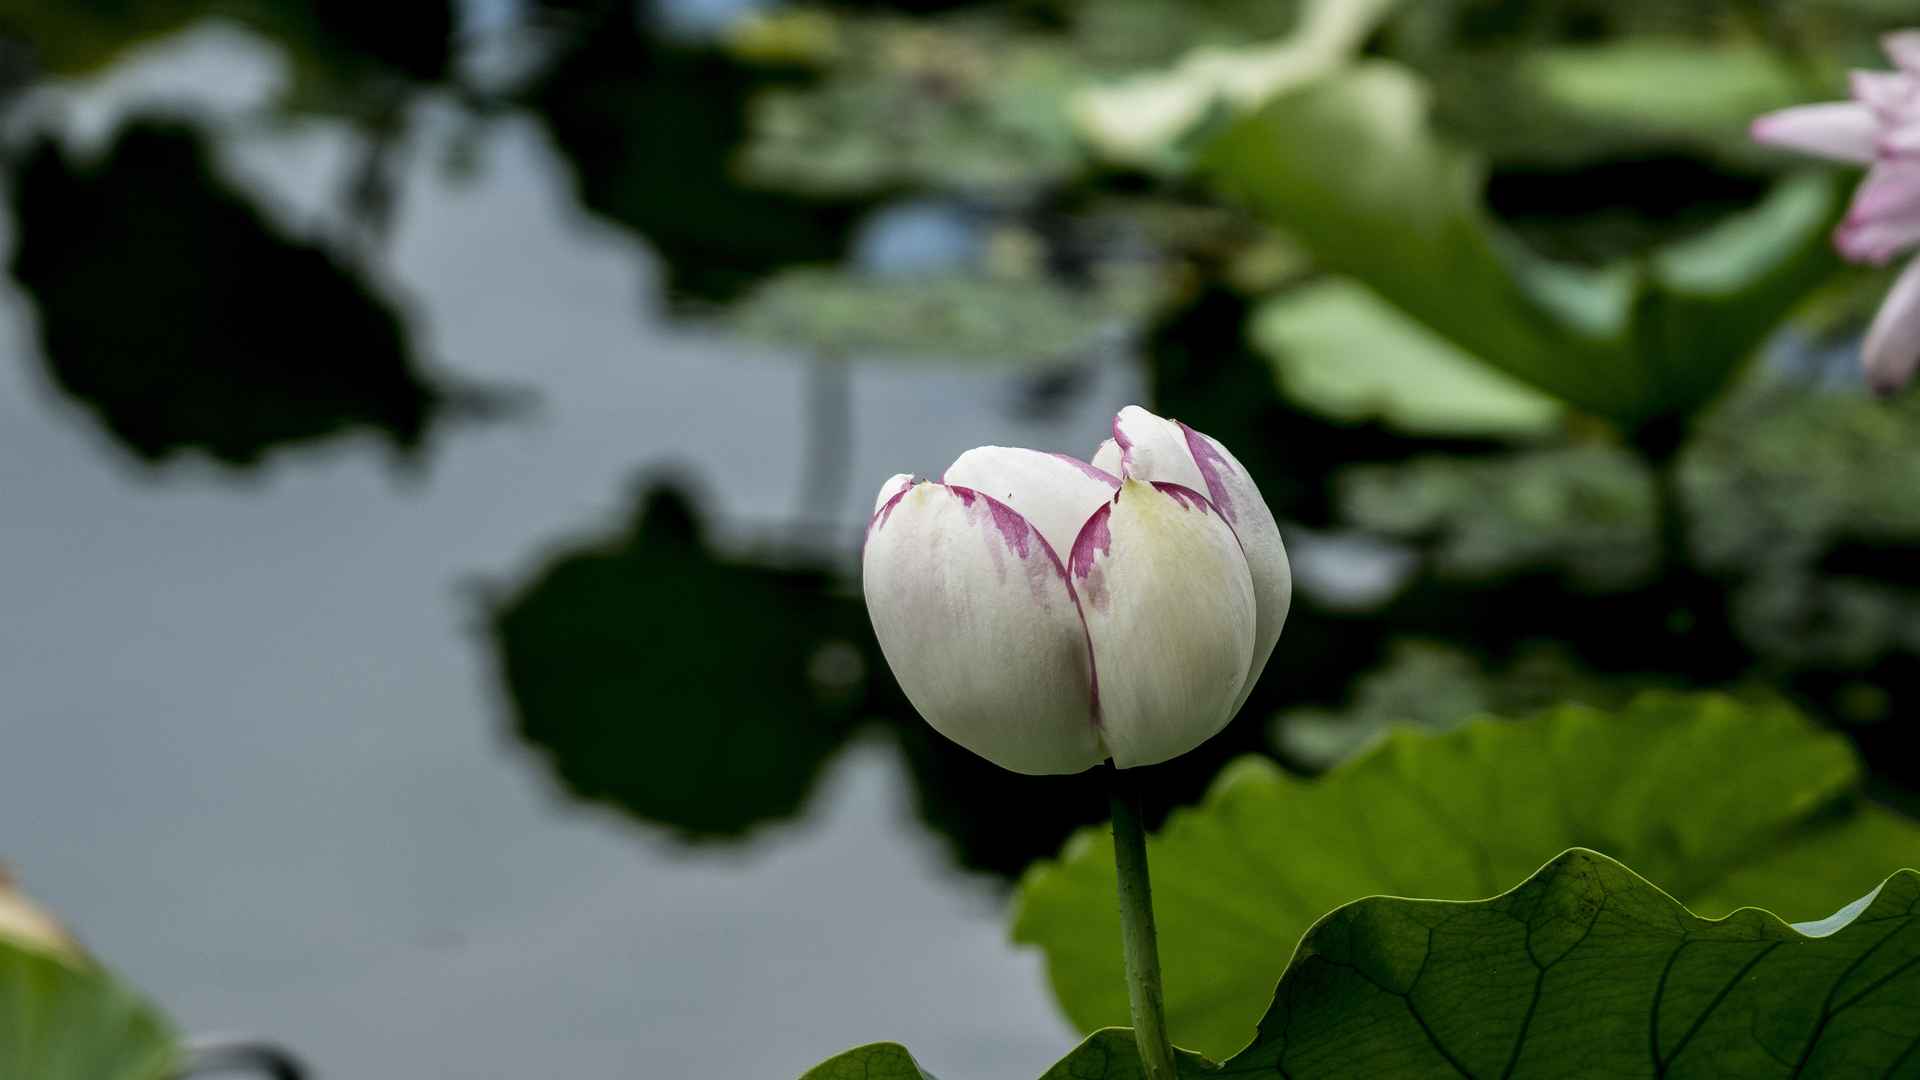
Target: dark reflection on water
x=184, y=319
x=693, y=691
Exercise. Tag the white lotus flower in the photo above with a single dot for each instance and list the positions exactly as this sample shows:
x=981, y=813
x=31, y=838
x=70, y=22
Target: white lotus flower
x=1879, y=128
x=1049, y=614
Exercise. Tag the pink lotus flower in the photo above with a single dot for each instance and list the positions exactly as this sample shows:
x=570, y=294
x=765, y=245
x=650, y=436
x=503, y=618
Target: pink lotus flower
x=1879, y=128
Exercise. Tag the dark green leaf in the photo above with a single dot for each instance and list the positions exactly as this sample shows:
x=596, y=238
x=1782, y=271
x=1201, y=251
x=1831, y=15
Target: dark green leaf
x=1719, y=802
x=1587, y=969
x=875, y=1061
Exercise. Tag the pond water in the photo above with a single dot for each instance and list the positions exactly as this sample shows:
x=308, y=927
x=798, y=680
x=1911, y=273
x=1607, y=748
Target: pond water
x=253, y=747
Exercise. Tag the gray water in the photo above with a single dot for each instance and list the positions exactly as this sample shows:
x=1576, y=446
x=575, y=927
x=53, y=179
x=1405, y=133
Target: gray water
x=252, y=747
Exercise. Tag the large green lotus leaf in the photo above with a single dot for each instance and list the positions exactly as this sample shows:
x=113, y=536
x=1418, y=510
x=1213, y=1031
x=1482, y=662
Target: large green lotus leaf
x=1717, y=801
x=1383, y=199
x=64, y=1018
x=1587, y=969
x=1342, y=351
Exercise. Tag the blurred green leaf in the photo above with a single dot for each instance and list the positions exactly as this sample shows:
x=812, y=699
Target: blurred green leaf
x=958, y=104
x=1382, y=199
x=1719, y=802
x=1015, y=320
x=1343, y=352
x=1587, y=969
x=1664, y=87
x=62, y=1017
x=1437, y=687
x=1586, y=512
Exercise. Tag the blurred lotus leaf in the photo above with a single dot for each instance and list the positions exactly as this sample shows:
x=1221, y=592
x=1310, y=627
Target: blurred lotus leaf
x=170, y=306
x=1587, y=512
x=1436, y=687
x=1384, y=200
x=342, y=52
x=1718, y=802
x=1035, y=320
x=64, y=1018
x=1145, y=120
x=959, y=104
x=1343, y=352
x=1805, y=501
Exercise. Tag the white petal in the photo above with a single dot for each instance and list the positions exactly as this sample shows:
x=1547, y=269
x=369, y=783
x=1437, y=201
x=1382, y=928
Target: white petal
x=1055, y=492
x=1237, y=498
x=975, y=618
x=895, y=484
x=1892, y=349
x=1107, y=457
x=1155, y=448
x=1842, y=130
x=1170, y=609
x=1903, y=48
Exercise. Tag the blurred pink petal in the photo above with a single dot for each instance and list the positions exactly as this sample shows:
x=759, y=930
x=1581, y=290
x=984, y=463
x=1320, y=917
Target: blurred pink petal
x=1892, y=349
x=1842, y=130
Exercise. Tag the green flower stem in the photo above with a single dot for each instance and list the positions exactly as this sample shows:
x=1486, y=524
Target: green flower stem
x=1136, y=931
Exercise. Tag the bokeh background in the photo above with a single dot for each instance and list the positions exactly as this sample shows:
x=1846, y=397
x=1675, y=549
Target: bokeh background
x=435, y=441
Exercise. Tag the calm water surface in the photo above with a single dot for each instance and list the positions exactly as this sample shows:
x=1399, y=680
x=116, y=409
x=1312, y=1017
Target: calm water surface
x=251, y=744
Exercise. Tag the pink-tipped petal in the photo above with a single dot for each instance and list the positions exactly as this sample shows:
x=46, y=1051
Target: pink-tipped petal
x=1903, y=48
x=1892, y=349
x=1884, y=218
x=1169, y=607
x=1106, y=458
x=1054, y=491
x=1876, y=243
x=1233, y=491
x=895, y=484
x=1900, y=142
x=1841, y=130
x=1155, y=448
x=975, y=616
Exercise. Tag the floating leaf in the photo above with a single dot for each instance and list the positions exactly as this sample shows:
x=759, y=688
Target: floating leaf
x=1015, y=320
x=1717, y=801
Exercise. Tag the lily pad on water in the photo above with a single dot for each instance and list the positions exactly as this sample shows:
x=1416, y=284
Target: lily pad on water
x=1719, y=802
